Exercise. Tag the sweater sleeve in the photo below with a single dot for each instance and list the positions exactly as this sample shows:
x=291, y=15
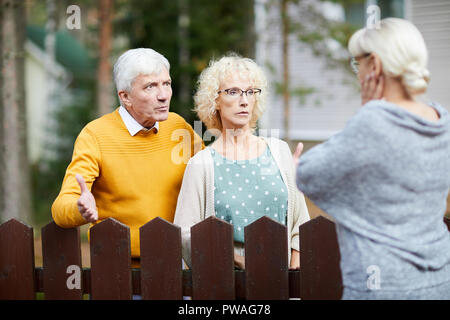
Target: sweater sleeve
x=300, y=210
x=85, y=161
x=191, y=206
x=323, y=171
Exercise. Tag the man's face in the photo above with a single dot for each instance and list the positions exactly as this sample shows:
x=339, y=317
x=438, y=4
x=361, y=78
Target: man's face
x=149, y=98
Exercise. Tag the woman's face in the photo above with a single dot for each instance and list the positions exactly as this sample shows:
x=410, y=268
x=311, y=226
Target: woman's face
x=235, y=109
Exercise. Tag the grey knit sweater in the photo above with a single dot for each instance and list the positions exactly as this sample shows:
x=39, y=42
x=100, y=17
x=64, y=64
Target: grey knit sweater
x=385, y=179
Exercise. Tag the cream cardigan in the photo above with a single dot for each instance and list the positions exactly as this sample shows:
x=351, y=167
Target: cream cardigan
x=196, y=197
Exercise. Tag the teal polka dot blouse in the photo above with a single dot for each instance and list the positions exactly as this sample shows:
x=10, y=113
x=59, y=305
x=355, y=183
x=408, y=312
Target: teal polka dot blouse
x=246, y=190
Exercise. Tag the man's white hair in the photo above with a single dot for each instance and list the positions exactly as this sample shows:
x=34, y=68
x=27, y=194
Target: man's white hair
x=401, y=49
x=135, y=62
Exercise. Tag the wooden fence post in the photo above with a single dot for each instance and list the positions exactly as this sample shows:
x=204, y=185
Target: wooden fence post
x=320, y=273
x=212, y=260
x=110, y=261
x=266, y=260
x=16, y=261
x=61, y=252
x=161, y=274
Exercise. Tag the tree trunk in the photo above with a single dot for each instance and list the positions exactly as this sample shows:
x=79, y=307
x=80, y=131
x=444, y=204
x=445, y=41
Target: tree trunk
x=15, y=171
x=50, y=85
x=285, y=44
x=104, y=77
x=251, y=35
x=184, y=54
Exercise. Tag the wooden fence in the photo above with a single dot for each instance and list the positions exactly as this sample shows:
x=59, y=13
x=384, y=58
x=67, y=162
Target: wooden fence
x=160, y=275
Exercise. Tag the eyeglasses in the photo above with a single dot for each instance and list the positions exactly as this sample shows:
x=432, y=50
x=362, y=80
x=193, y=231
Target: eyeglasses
x=236, y=92
x=354, y=63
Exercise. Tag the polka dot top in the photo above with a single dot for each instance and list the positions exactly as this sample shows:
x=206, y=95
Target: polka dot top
x=246, y=190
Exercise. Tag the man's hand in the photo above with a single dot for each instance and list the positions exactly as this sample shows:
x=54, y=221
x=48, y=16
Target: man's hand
x=297, y=154
x=86, y=202
x=372, y=88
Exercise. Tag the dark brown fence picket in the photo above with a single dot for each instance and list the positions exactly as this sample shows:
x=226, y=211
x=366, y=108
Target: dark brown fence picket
x=212, y=260
x=161, y=275
x=266, y=265
x=110, y=261
x=320, y=273
x=61, y=253
x=16, y=261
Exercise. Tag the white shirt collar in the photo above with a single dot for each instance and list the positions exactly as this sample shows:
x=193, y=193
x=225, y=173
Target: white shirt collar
x=132, y=125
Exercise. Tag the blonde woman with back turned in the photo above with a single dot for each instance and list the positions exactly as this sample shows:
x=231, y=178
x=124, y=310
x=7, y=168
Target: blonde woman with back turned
x=386, y=176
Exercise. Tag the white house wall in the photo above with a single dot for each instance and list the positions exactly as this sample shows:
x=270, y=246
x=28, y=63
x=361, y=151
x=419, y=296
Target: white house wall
x=432, y=17
x=35, y=105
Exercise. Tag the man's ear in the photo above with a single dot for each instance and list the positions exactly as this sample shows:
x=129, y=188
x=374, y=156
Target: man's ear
x=124, y=97
x=376, y=65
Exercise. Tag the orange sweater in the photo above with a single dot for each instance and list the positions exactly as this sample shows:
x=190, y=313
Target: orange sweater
x=133, y=178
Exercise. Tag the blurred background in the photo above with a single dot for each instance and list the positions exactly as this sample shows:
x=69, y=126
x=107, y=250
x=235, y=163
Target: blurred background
x=57, y=57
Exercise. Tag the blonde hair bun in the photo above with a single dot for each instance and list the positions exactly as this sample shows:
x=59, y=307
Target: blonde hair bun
x=415, y=78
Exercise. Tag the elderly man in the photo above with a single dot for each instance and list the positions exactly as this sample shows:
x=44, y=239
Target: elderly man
x=128, y=164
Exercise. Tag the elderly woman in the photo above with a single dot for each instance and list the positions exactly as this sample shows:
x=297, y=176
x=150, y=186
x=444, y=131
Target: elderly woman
x=385, y=177
x=240, y=177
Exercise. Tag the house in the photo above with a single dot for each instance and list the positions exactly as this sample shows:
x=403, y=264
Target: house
x=333, y=97
x=47, y=84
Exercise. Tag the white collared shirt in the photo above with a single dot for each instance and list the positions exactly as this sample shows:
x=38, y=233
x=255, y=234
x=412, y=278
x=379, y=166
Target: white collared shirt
x=132, y=125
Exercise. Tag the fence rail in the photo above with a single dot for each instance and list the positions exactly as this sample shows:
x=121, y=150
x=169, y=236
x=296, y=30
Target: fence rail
x=160, y=275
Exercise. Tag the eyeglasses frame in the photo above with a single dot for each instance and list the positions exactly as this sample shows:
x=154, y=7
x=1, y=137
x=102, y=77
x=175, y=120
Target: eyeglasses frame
x=256, y=91
x=354, y=63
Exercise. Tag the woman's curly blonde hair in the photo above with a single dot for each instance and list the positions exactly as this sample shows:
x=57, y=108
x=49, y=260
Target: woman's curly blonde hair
x=219, y=71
